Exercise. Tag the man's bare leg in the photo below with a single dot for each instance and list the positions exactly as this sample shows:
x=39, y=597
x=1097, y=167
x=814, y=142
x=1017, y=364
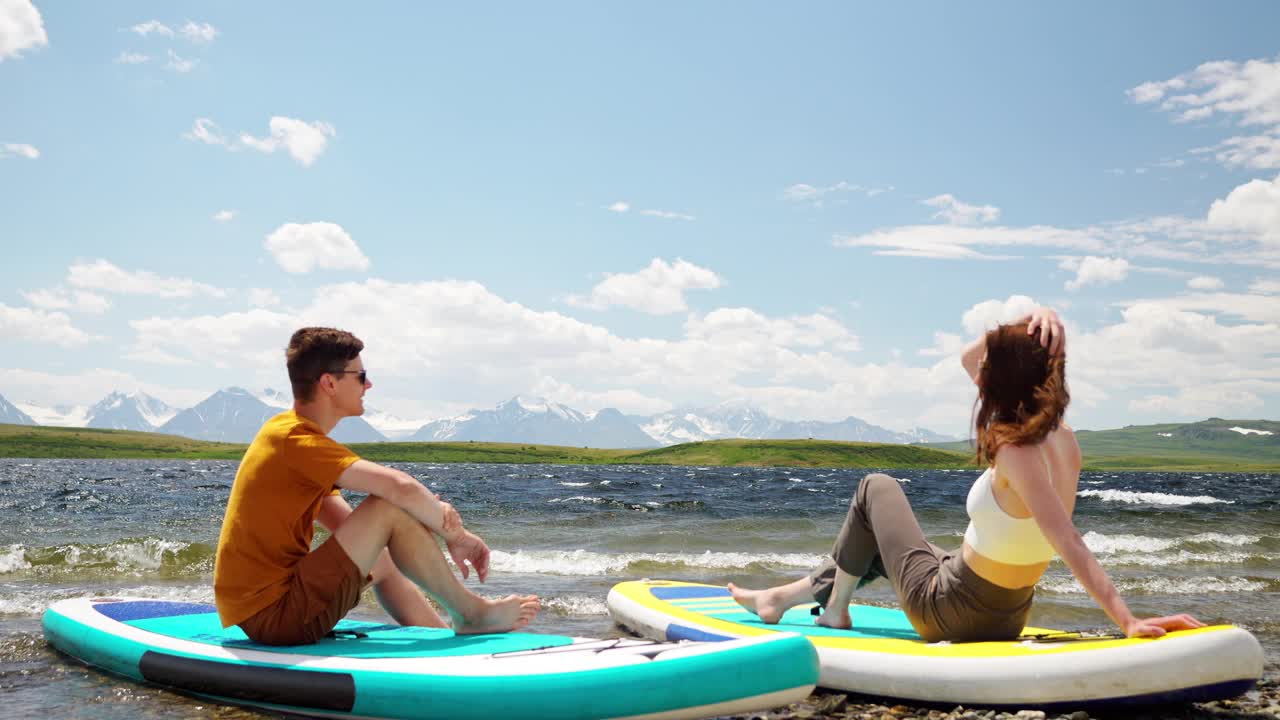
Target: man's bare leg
x=771, y=603
x=379, y=524
x=400, y=597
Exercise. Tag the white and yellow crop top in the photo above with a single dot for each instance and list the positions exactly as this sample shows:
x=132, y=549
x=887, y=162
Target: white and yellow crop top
x=993, y=533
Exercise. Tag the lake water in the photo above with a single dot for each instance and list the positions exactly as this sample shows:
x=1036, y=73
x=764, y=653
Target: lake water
x=1204, y=543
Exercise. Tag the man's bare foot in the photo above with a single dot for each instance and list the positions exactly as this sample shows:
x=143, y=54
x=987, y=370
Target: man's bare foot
x=836, y=619
x=512, y=612
x=768, y=604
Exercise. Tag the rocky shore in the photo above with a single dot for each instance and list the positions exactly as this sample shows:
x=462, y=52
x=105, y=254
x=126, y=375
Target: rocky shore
x=1261, y=702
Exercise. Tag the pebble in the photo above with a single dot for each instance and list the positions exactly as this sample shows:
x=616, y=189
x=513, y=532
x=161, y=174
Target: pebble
x=1261, y=703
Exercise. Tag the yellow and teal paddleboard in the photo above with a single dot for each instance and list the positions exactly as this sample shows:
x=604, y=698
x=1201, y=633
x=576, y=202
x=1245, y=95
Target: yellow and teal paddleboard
x=883, y=656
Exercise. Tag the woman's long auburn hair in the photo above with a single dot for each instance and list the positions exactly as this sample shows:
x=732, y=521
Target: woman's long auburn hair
x=1022, y=391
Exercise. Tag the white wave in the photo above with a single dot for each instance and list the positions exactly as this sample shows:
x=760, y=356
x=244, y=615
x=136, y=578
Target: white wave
x=1182, y=557
x=1159, y=585
x=13, y=558
x=146, y=555
x=576, y=605
x=1106, y=544
x=585, y=562
x=34, y=601
x=574, y=484
x=579, y=498
x=1151, y=498
x=1212, y=537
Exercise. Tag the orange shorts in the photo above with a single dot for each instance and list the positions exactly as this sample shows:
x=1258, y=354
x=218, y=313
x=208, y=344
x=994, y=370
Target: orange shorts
x=325, y=585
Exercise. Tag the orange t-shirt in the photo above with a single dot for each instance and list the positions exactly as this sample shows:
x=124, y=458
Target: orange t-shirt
x=287, y=471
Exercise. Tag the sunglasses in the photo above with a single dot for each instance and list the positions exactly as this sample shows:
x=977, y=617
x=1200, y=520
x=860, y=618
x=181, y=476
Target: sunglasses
x=361, y=375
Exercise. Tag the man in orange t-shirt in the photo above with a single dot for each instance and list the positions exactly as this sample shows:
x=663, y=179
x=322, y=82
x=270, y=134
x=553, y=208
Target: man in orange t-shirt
x=266, y=577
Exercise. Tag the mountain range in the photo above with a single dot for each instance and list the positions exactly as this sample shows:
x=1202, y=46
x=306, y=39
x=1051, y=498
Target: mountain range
x=234, y=415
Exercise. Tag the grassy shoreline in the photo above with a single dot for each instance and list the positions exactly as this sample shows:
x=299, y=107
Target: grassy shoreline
x=25, y=441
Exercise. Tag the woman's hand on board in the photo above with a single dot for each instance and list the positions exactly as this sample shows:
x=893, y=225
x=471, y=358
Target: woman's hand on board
x=1155, y=627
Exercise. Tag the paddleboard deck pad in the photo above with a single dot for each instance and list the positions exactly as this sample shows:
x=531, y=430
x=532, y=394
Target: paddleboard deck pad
x=372, y=670
x=884, y=657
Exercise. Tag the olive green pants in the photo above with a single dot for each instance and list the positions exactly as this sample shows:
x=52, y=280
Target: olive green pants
x=942, y=597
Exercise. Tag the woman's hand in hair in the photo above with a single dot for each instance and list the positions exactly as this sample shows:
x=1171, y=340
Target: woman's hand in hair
x=1155, y=627
x=1052, y=334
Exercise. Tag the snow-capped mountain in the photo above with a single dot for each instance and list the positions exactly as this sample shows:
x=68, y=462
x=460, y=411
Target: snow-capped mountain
x=229, y=415
x=11, y=415
x=393, y=427
x=133, y=411
x=235, y=415
x=735, y=419
x=57, y=415
x=536, y=420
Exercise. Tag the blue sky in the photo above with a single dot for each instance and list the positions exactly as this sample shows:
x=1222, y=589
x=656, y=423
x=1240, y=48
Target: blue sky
x=645, y=207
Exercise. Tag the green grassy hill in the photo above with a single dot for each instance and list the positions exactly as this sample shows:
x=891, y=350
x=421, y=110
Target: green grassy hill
x=48, y=442
x=1208, y=445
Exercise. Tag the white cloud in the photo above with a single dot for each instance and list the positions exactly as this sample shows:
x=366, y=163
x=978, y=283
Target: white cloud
x=224, y=215
x=303, y=247
x=304, y=141
x=20, y=150
x=130, y=58
x=1226, y=87
x=103, y=276
x=1260, y=152
x=1093, y=270
x=1249, y=91
x=180, y=64
x=745, y=327
x=1253, y=207
x=63, y=299
x=263, y=297
x=960, y=213
x=987, y=315
x=152, y=27
x=627, y=401
x=623, y=206
x=668, y=215
x=1265, y=287
x=958, y=242
x=818, y=196
x=1248, y=307
x=206, y=131
x=41, y=326
x=657, y=289
x=1217, y=399
x=1205, y=282
x=199, y=32
x=88, y=386
x=21, y=28
x=236, y=339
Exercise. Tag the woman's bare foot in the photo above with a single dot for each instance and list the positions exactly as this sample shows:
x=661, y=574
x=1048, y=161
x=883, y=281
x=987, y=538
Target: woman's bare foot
x=512, y=612
x=768, y=604
x=837, y=619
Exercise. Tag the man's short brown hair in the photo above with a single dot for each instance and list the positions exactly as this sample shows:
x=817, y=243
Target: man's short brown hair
x=314, y=351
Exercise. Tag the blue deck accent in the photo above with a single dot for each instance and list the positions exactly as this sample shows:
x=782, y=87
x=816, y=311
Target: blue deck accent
x=686, y=593
x=675, y=631
x=145, y=609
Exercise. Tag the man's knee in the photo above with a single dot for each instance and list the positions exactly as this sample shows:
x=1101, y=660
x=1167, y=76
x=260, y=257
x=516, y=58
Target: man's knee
x=384, y=512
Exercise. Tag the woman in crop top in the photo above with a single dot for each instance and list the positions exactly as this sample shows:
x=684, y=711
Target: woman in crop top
x=1019, y=513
